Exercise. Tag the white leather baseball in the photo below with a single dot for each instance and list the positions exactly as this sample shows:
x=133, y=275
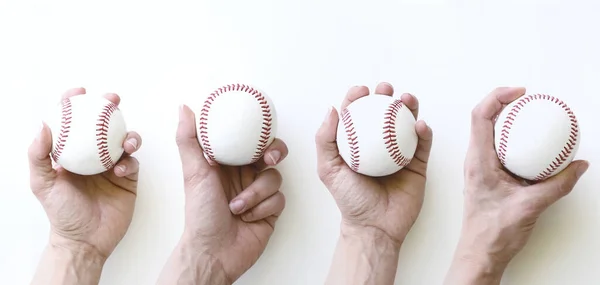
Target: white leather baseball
x=376, y=135
x=87, y=134
x=235, y=124
x=536, y=136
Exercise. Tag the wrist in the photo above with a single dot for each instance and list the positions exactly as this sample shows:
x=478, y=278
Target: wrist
x=470, y=267
x=364, y=255
x=191, y=264
x=475, y=262
x=67, y=263
x=370, y=235
x=78, y=249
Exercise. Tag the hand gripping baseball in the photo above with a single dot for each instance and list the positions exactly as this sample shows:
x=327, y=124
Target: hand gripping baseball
x=86, y=212
x=389, y=204
x=230, y=211
x=500, y=208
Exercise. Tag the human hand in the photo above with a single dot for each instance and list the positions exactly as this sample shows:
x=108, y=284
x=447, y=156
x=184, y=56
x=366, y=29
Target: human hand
x=387, y=205
x=230, y=212
x=89, y=215
x=500, y=209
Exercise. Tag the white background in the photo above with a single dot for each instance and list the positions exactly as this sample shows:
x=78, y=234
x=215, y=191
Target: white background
x=305, y=55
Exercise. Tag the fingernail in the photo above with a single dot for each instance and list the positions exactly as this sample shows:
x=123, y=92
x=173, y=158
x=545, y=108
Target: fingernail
x=274, y=156
x=388, y=85
x=133, y=142
x=122, y=168
x=237, y=206
x=582, y=168
x=328, y=113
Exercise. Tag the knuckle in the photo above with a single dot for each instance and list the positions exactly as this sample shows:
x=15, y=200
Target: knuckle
x=282, y=200
x=252, y=196
x=180, y=141
x=498, y=90
x=472, y=172
x=191, y=178
x=274, y=175
x=477, y=112
x=249, y=216
x=478, y=175
x=327, y=172
x=131, y=161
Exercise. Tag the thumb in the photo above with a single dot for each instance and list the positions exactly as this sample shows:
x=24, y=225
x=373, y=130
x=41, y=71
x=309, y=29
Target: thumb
x=40, y=164
x=562, y=183
x=190, y=151
x=325, y=140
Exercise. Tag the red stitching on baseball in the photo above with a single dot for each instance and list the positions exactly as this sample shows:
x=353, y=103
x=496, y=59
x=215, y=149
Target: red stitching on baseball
x=265, y=132
x=65, y=128
x=567, y=149
x=102, y=135
x=352, y=140
x=390, y=136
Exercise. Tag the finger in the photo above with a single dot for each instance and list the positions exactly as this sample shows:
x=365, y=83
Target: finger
x=190, y=152
x=40, y=164
x=274, y=154
x=266, y=184
x=560, y=184
x=353, y=94
x=421, y=157
x=113, y=98
x=124, y=174
x=73, y=92
x=132, y=142
x=482, y=126
x=272, y=206
x=128, y=167
x=271, y=220
x=384, y=88
x=328, y=156
x=411, y=102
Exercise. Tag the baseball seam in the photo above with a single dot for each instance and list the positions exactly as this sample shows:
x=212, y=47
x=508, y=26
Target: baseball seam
x=102, y=135
x=354, y=162
x=390, y=136
x=562, y=155
x=65, y=128
x=267, y=121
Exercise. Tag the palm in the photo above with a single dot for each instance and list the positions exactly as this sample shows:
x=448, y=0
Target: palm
x=91, y=209
x=233, y=237
x=390, y=203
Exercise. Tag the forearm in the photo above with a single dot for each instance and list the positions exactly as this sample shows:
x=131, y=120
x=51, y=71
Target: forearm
x=188, y=266
x=73, y=265
x=364, y=258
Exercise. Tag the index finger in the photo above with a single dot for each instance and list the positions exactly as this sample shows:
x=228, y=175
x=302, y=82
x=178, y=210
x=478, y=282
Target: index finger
x=354, y=94
x=482, y=119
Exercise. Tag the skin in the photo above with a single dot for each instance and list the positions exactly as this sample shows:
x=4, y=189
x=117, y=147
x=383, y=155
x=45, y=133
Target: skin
x=230, y=212
x=500, y=209
x=377, y=213
x=89, y=215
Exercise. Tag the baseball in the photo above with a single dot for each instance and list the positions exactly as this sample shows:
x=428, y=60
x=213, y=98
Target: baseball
x=536, y=136
x=376, y=135
x=236, y=124
x=87, y=134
